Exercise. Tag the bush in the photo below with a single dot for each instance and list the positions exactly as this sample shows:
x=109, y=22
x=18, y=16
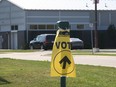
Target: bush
x=111, y=33
x=25, y=46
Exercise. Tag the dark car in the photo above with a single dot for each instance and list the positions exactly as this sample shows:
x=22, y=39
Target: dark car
x=43, y=41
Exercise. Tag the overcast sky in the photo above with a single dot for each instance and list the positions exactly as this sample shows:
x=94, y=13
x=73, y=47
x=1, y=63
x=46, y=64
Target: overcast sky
x=64, y=4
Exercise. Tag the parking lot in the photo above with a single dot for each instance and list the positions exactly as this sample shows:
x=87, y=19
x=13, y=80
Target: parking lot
x=109, y=61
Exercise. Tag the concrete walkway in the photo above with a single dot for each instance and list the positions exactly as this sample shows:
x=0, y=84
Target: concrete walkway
x=109, y=61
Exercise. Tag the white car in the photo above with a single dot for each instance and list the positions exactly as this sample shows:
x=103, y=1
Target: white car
x=76, y=43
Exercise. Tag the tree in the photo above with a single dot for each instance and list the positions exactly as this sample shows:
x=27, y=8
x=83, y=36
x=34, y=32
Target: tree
x=111, y=32
x=111, y=29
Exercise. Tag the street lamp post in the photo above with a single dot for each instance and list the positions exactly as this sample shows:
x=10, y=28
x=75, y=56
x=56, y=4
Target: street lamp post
x=95, y=31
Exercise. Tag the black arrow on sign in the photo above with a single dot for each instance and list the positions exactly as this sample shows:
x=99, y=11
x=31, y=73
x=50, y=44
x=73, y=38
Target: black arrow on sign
x=64, y=61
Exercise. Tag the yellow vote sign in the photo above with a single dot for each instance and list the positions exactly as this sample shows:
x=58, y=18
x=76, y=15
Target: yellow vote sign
x=62, y=63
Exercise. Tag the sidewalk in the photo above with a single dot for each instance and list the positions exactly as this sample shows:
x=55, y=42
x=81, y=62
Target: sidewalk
x=109, y=61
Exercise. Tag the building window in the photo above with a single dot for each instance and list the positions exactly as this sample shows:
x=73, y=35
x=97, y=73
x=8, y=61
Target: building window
x=41, y=26
x=50, y=26
x=33, y=26
x=56, y=26
x=14, y=27
x=80, y=26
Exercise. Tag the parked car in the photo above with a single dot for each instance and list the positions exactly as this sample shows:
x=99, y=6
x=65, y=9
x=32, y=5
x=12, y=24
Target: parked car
x=45, y=41
x=76, y=43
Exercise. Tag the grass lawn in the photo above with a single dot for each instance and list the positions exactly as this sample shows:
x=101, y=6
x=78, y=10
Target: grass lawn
x=87, y=52
x=23, y=73
x=9, y=50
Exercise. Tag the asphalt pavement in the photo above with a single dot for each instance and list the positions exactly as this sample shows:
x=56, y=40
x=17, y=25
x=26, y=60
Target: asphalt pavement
x=108, y=61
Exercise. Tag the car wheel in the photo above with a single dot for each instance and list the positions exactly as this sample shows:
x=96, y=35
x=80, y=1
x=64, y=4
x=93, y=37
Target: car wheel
x=45, y=48
x=31, y=47
x=42, y=47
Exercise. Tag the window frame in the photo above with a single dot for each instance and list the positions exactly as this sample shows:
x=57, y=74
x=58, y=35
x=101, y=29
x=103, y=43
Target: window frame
x=80, y=26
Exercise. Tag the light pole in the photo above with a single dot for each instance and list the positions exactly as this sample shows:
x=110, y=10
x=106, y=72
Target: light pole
x=96, y=49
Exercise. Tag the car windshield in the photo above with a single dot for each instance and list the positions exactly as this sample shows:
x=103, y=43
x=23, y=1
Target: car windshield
x=50, y=37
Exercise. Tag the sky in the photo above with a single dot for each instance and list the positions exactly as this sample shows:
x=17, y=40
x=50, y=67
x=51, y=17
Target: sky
x=65, y=4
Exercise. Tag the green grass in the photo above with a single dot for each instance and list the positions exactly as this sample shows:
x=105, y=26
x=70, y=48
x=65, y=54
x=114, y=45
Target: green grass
x=7, y=51
x=83, y=52
x=23, y=73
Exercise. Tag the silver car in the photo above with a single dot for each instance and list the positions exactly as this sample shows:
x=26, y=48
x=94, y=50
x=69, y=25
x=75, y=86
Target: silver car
x=76, y=43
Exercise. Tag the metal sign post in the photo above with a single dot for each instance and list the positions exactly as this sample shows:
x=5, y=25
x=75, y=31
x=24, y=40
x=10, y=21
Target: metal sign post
x=91, y=25
x=63, y=81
